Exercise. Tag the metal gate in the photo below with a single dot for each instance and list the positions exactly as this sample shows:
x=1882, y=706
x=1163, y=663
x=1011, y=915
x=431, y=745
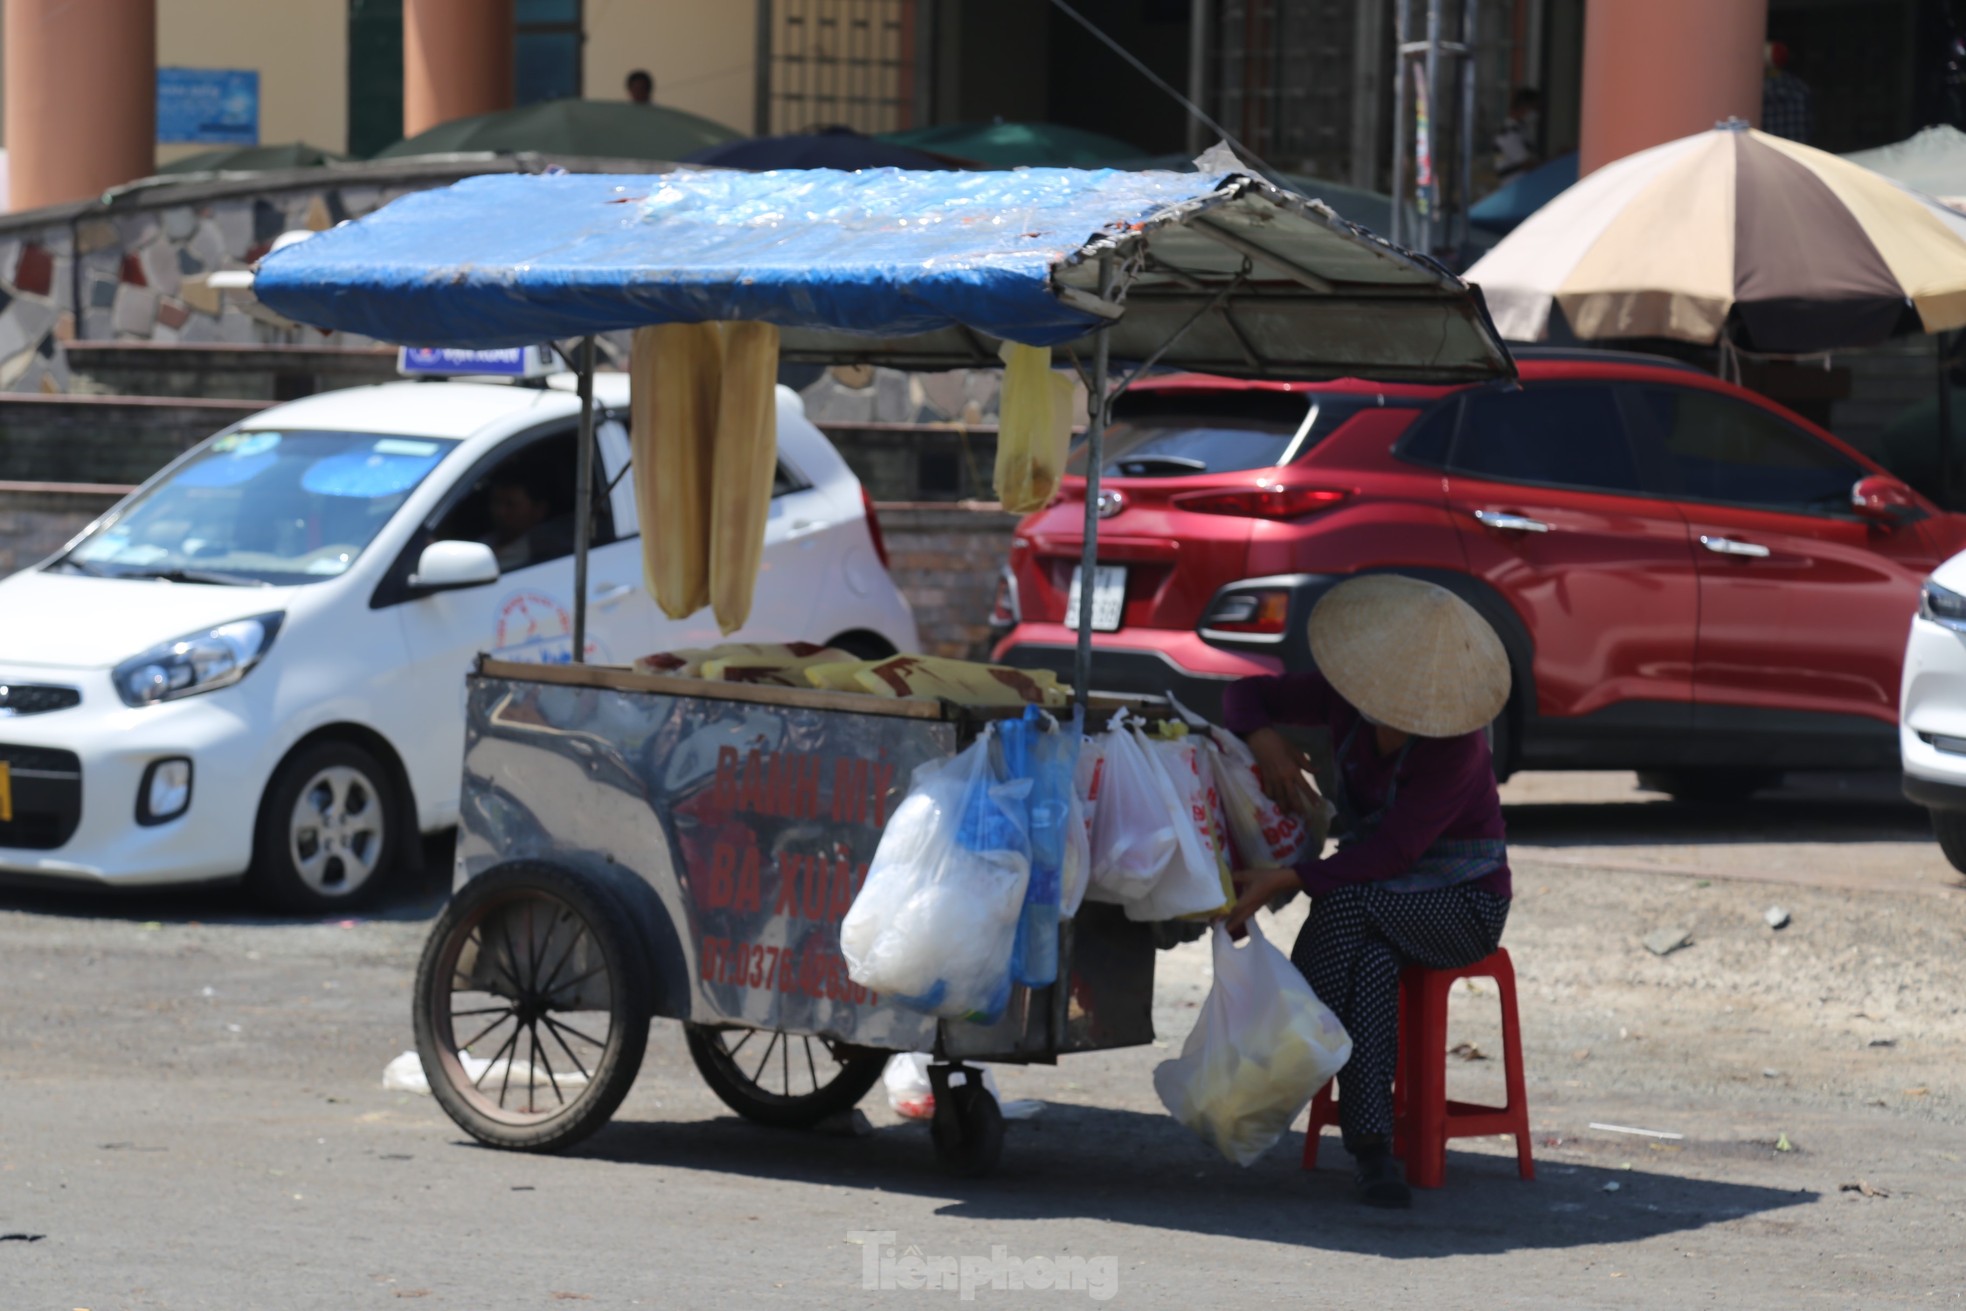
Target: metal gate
x=848, y=63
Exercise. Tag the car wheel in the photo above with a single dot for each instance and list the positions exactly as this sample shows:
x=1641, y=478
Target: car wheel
x=1709, y=786
x=1949, y=826
x=864, y=646
x=331, y=830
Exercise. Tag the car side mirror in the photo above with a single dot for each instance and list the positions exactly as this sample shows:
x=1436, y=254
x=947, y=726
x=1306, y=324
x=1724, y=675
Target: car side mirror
x=1885, y=500
x=448, y=566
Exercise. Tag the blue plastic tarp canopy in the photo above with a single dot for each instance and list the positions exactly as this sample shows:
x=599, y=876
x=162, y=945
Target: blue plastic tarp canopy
x=887, y=266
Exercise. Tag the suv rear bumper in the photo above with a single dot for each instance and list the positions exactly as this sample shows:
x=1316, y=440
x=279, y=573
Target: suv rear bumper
x=1143, y=662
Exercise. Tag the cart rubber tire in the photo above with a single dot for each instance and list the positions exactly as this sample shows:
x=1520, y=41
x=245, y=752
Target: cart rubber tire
x=968, y=1130
x=857, y=1075
x=276, y=879
x=1949, y=826
x=1709, y=786
x=605, y=919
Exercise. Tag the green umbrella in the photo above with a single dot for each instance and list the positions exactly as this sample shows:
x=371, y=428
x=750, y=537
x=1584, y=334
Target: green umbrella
x=597, y=129
x=1011, y=145
x=254, y=159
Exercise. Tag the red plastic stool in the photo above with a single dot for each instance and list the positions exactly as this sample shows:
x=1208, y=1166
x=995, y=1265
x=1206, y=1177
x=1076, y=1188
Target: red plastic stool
x=1423, y=1118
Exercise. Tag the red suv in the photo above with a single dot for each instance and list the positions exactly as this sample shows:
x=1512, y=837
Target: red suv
x=1690, y=580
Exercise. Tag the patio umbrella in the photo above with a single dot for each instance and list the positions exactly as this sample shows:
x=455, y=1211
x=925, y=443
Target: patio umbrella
x=1021, y=145
x=1504, y=209
x=1733, y=233
x=1933, y=161
x=253, y=159
x=834, y=147
x=600, y=129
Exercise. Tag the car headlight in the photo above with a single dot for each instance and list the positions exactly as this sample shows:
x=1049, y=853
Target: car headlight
x=198, y=662
x=1942, y=606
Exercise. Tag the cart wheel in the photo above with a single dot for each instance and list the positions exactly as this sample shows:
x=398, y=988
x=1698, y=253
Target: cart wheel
x=968, y=1124
x=787, y=1080
x=531, y=1007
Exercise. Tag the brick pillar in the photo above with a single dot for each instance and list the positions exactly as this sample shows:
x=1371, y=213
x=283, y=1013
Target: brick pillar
x=1658, y=70
x=81, y=96
x=457, y=60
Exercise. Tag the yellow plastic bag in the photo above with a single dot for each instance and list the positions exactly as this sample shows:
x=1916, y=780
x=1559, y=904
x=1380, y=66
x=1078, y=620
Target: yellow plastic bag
x=746, y=464
x=1034, y=428
x=962, y=681
x=674, y=372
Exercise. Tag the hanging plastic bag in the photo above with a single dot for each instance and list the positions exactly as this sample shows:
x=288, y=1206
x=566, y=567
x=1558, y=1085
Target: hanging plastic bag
x=1133, y=828
x=1262, y=1045
x=1034, y=428
x=933, y=924
x=1037, y=747
x=1265, y=835
x=1075, y=875
x=908, y=1089
x=1195, y=880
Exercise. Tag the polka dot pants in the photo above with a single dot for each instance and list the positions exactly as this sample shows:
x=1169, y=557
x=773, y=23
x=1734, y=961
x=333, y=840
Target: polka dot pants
x=1351, y=951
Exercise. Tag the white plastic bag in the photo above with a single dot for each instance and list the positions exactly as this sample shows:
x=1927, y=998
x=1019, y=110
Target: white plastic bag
x=908, y=1089
x=1133, y=830
x=1076, y=873
x=1194, y=881
x=1262, y=1045
x=933, y=923
x=1266, y=836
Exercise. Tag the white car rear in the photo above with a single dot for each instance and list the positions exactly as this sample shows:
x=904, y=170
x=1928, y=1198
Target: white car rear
x=1932, y=707
x=239, y=667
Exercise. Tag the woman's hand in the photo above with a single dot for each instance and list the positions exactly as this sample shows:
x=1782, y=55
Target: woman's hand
x=1257, y=888
x=1285, y=771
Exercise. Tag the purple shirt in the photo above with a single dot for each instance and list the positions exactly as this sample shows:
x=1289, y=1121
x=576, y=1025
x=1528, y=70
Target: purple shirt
x=1446, y=784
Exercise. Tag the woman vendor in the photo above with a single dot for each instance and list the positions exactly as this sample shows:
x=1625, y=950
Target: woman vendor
x=1409, y=677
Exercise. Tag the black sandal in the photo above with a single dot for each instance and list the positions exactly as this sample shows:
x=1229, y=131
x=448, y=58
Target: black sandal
x=1378, y=1179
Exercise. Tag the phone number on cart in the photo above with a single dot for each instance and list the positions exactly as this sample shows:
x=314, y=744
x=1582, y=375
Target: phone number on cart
x=748, y=965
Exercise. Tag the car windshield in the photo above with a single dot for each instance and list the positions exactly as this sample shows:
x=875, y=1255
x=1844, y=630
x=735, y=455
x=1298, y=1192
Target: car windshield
x=255, y=508
x=1182, y=434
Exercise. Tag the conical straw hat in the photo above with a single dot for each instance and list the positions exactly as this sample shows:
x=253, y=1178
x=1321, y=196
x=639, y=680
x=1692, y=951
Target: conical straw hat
x=1410, y=655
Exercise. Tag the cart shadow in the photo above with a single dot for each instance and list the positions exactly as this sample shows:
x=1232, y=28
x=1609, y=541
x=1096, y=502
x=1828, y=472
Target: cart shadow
x=1832, y=809
x=1129, y=1167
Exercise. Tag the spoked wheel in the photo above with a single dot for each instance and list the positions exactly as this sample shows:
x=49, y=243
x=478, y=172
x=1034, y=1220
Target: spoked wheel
x=531, y=1007
x=788, y=1080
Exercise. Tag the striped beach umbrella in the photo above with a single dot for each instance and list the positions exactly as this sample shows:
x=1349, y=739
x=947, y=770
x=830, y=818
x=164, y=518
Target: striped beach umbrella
x=1733, y=232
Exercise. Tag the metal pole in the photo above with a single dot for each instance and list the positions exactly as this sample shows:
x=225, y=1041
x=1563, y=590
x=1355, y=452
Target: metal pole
x=1402, y=119
x=1096, y=406
x=1464, y=185
x=1945, y=497
x=1199, y=13
x=1432, y=74
x=583, y=506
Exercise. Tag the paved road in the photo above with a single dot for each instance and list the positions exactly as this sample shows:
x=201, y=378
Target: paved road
x=191, y=1115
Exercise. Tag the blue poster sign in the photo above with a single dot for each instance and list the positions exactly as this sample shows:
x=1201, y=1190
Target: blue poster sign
x=208, y=106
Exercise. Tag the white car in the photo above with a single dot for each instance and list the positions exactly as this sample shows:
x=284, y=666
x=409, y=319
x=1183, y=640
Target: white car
x=1932, y=707
x=255, y=663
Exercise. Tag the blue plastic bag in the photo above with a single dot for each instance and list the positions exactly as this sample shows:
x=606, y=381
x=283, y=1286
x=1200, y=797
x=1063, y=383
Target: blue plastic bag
x=1041, y=749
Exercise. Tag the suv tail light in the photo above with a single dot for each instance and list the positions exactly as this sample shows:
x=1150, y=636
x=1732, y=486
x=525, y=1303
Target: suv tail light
x=1005, y=613
x=1263, y=501
x=874, y=527
x=1257, y=612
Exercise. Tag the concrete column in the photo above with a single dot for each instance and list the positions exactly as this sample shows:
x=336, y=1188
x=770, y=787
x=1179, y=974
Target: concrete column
x=457, y=60
x=1657, y=70
x=81, y=97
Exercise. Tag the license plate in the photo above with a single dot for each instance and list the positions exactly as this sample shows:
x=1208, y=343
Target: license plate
x=1108, y=598
x=6, y=793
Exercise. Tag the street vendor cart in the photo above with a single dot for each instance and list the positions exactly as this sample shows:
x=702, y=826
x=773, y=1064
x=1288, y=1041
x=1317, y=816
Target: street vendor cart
x=636, y=846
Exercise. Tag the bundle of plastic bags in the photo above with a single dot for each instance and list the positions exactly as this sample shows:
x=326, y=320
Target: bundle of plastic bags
x=1157, y=841
x=1039, y=748
x=1262, y=1045
x=935, y=921
x=1260, y=833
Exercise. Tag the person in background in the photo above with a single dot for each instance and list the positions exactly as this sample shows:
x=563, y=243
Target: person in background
x=516, y=511
x=1515, y=144
x=641, y=86
x=1787, y=105
x=1409, y=678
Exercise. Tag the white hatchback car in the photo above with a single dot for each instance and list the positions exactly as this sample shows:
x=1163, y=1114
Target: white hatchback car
x=1932, y=707
x=255, y=663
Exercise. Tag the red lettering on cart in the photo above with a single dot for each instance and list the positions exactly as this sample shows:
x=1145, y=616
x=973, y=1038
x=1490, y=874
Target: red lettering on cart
x=723, y=868
x=750, y=896
x=723, y=791
x=850, y=791
x=883, y=780
x=787, y=900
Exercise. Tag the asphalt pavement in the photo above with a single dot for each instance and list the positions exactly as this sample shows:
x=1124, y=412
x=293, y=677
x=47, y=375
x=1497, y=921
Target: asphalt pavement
x=192, y=1115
